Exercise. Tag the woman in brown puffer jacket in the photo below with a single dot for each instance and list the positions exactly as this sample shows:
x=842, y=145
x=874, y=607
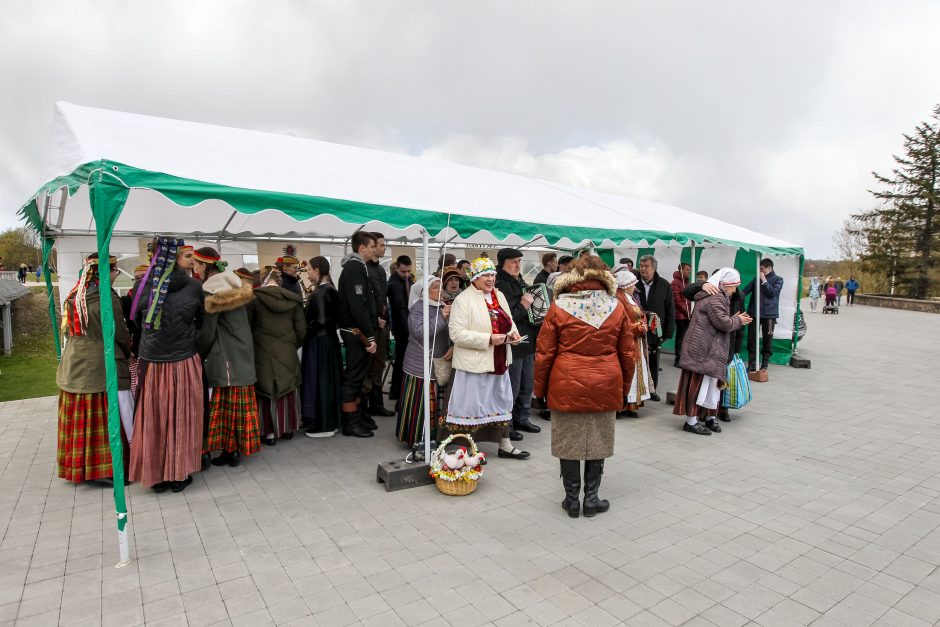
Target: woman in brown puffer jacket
x=584, y=365
x=704, y=359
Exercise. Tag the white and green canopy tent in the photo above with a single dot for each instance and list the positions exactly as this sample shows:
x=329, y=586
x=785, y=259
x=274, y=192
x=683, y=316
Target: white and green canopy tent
x=126, y=176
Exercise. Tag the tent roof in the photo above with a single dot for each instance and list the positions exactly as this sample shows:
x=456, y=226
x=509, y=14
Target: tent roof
x=291, y=187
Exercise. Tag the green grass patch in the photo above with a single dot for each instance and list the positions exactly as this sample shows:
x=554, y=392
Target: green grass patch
x=30, y=371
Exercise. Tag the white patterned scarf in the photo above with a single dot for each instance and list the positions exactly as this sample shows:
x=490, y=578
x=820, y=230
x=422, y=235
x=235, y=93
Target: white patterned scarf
x=590, y=306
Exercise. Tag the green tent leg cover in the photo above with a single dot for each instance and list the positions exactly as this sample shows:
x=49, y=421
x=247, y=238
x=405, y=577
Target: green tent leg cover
x=108, y=197
x=47, y=244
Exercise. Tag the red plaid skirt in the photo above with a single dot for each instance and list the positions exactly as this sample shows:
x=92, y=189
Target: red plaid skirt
x=233, y=420
x=83, y=452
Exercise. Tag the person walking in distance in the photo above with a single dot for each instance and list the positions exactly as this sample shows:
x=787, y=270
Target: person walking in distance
x=358, y=321
x=770, y=287
x=680, y=281
x=656, y=298
x=851, y=287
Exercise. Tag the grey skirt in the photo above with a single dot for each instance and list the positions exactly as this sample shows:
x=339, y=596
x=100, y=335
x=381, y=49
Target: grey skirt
x=583, y=435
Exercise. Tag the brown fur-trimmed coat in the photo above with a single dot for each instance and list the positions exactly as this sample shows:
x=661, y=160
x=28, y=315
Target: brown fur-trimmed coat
x=580, y=368
x=225, y=342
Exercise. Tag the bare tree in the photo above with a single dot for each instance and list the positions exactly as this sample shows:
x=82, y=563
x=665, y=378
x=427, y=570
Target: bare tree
x=849, y=243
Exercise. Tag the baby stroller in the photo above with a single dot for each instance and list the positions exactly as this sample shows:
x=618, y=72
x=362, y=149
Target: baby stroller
x=832, y=301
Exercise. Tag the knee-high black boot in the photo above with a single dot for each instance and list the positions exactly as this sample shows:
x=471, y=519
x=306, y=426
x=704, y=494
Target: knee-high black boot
x=571, y=479
x=593, y=469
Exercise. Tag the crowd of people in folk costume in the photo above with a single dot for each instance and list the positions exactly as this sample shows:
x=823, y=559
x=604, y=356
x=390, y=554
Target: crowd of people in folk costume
x=213, y=364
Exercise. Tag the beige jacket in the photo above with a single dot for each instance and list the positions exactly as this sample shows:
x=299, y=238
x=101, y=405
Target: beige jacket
x=470, y=331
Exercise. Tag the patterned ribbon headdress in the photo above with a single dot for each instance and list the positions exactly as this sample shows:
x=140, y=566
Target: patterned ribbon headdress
x=157, y=279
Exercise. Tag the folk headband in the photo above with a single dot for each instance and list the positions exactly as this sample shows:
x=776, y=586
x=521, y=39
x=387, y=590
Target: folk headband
x=481, y=266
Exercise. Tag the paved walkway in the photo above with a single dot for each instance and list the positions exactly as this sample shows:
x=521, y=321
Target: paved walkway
x=818, y=504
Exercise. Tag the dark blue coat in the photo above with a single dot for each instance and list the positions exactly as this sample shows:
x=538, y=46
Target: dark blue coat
x=769, y=296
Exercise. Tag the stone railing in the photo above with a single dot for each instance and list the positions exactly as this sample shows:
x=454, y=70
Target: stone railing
x=8, y=275
x=892, y=302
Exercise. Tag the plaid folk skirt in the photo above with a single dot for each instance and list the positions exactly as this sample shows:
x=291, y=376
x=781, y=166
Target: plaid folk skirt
x=83, y=453
x=233, y=420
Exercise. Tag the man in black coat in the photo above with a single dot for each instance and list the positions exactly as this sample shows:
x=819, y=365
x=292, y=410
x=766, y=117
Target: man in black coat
x=522, y=369
x=656, y=297
x=358, y=323
x=372, y=384
x=399, y=288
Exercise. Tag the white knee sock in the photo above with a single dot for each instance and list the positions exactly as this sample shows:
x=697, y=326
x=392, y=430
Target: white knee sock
x=692, y=421
x=506, y=445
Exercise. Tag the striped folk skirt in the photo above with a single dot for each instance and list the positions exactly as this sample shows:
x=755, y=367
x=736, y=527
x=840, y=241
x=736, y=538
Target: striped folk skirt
x=83, y=453
x=167, y=442
x=690, y=386
x=279, y=415
x=410, y=427
x=233, y=420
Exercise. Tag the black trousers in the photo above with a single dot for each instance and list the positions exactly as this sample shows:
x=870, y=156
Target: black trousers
x=401, y=345
x=654, y=364
x=681, y=327
x=850, y=299
x=373, y=378
x=767, y=338
x=357, y=365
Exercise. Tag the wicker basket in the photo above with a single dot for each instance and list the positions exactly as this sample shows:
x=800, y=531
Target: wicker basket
x=455, y=488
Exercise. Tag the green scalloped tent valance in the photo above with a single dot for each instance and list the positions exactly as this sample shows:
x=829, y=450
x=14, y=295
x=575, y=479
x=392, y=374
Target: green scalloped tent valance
x=188, y=192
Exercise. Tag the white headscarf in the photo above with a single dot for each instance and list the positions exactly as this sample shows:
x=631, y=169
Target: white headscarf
x=725, y=276
x=418, y=290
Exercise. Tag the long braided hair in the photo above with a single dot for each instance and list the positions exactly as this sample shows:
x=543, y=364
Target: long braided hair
x=155, y=283
x=75, y=320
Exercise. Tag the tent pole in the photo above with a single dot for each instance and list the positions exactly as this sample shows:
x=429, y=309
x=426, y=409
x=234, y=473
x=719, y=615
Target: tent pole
x=758, y=331
x=691, y=272
x=426, y=388
x=47, y=243
x=107, y=202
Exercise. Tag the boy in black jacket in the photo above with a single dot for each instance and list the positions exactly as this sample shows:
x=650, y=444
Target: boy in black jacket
x=358, y=322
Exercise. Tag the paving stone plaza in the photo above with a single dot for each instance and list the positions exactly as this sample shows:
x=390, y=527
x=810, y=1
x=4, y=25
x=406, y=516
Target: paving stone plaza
x=819, y=503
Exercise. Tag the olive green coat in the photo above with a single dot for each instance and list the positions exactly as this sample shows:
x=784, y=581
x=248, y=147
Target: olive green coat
x=81, y=370
x=225, y=336
x=278, y=328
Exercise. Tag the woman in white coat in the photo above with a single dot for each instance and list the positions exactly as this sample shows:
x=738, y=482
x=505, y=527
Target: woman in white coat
x=482, y=331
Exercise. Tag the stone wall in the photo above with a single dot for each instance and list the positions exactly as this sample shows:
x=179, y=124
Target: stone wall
x=891, y=302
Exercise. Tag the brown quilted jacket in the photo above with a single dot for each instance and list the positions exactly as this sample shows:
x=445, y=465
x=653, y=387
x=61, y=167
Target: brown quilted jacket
x=705, y=347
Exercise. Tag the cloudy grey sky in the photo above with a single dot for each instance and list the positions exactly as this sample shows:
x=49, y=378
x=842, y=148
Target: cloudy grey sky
x=768, y=114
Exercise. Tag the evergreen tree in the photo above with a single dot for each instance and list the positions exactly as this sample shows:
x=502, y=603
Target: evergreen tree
x=903, y=233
